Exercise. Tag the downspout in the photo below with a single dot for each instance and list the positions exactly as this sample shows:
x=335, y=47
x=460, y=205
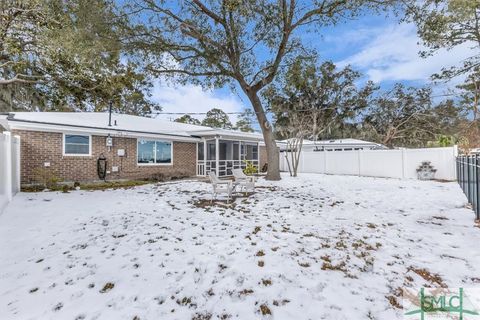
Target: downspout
x=205, y=157
x=217, y=156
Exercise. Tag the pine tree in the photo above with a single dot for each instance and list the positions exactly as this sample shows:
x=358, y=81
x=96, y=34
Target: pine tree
x=217, y=118
x=245, y=121
x=188, y=119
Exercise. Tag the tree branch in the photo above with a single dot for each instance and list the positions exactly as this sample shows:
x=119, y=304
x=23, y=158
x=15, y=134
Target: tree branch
x=17, y=79
x=209, y=13
x=190, y=73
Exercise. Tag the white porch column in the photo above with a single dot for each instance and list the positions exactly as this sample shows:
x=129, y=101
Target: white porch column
x=240, y=154
x=8, y=165
x=258, y=155
x=17, y=186
x=217, y=155
x=204, y=156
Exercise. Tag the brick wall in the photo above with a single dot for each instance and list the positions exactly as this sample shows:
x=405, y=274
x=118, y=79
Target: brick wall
x=40, y=147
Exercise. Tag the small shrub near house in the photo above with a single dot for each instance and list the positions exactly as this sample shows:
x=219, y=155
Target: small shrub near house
x=157, y=177
x=250, y=169
x=172, y=175
x=179, y=174
x=45, y=178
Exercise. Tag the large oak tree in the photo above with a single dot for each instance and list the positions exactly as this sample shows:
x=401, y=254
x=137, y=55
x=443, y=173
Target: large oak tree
x=60, y=55
x=242, y=43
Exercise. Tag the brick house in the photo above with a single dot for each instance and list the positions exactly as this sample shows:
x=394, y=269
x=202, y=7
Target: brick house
x=74, y=146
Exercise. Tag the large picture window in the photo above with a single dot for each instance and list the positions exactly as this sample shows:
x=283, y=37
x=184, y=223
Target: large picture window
x=154, y=152
x=76, y=145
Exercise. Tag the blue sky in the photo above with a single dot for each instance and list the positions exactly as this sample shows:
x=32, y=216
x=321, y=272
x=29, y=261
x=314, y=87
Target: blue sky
x=384, y=50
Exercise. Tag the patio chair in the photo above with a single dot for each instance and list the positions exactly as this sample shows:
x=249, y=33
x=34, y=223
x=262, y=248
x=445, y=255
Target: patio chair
x=245, y=182
x=220, y=186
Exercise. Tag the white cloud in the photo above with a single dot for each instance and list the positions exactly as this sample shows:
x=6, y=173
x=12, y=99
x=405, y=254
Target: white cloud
x=191, y=98
x=352, y=37
x=392, y=54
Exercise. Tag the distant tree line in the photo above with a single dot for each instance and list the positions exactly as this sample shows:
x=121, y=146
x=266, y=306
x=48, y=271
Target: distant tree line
x=322, y=102
x=217, y=118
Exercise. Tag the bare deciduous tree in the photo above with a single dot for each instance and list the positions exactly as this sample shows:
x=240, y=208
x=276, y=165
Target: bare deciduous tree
x=312, y=100
x=408, y=117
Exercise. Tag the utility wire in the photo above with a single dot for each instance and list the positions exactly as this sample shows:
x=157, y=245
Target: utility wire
x=266, y=111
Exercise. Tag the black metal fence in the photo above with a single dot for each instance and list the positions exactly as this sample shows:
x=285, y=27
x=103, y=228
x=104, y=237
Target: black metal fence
x=468, y=176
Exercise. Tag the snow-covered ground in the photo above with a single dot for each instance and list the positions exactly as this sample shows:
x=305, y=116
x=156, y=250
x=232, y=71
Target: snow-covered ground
x=313, y=247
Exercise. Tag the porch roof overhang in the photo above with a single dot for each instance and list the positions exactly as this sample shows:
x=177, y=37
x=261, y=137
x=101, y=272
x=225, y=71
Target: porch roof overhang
x=228, y=135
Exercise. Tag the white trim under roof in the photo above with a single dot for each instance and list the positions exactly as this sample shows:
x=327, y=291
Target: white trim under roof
x=228, y=135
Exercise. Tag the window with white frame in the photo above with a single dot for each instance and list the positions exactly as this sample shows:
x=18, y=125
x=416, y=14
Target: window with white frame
x=154, y=152
x=76, y=145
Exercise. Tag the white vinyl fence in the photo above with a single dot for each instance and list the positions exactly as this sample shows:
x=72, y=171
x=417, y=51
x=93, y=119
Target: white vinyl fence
x=401, y=163
x=9, y=168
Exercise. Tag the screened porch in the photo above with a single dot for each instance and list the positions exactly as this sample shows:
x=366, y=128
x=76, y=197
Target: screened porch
x=222, y=155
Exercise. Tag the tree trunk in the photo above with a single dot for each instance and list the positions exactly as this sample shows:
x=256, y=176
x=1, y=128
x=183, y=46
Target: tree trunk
x=273, y=155
x=291, y=150
x=476, y=94
x=288, y=163
x=298, y=148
